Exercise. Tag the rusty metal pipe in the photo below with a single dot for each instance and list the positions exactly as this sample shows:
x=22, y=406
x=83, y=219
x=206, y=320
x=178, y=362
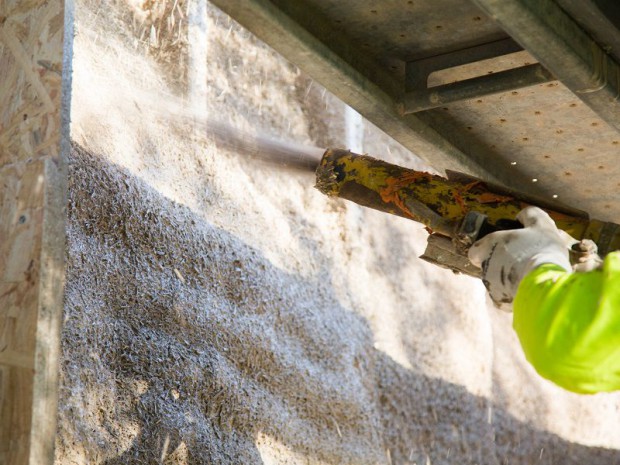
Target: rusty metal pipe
x=441, y=204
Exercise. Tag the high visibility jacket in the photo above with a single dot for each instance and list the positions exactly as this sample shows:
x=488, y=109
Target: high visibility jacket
x=569, y=325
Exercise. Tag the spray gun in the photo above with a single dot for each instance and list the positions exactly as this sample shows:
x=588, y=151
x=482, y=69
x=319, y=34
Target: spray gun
x=456, y=211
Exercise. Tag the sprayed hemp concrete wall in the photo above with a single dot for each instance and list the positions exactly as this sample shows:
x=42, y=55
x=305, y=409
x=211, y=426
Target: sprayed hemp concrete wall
x=220, y=311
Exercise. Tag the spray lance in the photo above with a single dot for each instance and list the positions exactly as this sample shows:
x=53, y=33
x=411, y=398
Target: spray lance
x=457, y=210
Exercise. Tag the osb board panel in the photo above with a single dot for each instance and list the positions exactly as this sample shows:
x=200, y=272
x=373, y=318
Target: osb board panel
x=31, y=226
x=30, y=78
x=20, y=251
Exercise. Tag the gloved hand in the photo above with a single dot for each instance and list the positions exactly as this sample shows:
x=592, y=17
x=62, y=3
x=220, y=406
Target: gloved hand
x=507, y=256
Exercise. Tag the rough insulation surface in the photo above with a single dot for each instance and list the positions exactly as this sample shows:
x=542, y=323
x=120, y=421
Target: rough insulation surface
x=222, y=312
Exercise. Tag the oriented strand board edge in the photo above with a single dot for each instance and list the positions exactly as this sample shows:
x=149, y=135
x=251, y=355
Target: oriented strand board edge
x=34, y=141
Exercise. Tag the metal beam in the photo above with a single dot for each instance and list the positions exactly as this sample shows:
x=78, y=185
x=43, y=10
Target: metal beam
x=34, y=105
x=600, y=18
x=557, y=41
x=503, y=81
x=418, y=71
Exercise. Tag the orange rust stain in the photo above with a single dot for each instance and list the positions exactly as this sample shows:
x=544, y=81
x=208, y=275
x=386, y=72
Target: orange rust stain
x=456, y=195
x=482, y=198
x=470, y=186
x=490, y=197
x=557, y=216
x=407, y=179
x=389, y=194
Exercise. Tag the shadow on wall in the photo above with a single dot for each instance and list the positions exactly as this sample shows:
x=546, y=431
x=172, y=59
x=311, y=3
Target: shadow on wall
x=184, y=345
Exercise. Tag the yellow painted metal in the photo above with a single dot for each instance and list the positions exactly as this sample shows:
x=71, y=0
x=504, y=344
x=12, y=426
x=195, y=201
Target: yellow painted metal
x=437, y=202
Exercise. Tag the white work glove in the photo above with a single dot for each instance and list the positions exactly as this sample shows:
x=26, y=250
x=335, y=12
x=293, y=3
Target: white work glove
x=505, y=257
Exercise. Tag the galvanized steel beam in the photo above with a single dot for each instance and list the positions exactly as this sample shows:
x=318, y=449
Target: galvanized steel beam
x=503, y=81
x=418, y=71
x=557, y=41
x=420, y=97
x=601, y=18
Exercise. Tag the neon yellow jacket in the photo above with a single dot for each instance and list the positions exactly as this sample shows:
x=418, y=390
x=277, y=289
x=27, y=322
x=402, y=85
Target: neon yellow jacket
x=569, y=325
